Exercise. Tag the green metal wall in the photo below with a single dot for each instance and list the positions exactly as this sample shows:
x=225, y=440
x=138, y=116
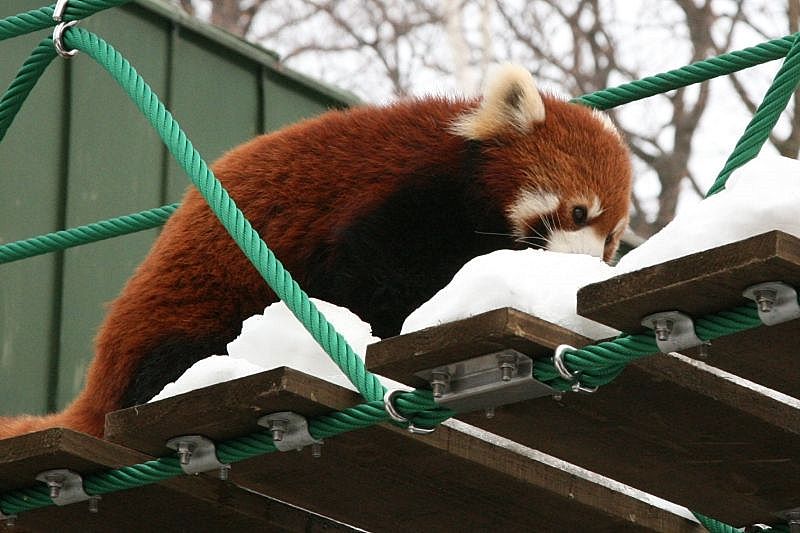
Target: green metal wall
x=79, y=151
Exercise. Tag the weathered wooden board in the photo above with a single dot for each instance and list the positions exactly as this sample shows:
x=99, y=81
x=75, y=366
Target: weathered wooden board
x=709, y=282
x=665, y=426
x=197, y=503
x=383, y=478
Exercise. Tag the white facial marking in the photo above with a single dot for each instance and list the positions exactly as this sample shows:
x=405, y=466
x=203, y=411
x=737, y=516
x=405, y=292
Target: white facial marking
x=582, y=241
x=595, y=209
x=529, y=205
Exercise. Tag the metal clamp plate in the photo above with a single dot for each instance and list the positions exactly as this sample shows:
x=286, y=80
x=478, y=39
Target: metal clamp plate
x=293, y=430
x=198, y=453
x=792, y=516
x=66, y=486
x=488, y=381
x=9, y=518
x=674, y=331
x=777, y=302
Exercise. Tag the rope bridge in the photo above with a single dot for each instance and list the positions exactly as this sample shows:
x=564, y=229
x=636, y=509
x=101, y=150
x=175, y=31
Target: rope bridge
x=597, y=364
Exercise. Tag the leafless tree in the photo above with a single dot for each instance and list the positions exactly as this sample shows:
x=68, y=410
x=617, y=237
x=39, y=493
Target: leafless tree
x=578, y=46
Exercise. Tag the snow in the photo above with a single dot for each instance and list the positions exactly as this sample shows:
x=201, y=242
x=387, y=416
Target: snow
x=761, y=196
x=275, y=339
x=538, y=282
x=208, y=371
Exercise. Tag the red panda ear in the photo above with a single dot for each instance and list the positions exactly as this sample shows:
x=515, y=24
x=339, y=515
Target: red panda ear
x=510, y=100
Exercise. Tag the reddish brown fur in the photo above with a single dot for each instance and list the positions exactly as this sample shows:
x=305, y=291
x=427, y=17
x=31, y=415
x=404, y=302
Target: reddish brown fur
x=301, y=186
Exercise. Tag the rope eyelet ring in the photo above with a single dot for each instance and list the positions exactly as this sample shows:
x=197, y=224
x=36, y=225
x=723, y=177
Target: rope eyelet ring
x=564, y=372
x=58, y=39
x=395, y=415
x=58, y=32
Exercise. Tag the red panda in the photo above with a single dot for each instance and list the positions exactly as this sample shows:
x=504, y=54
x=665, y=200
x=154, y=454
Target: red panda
x=371, y=208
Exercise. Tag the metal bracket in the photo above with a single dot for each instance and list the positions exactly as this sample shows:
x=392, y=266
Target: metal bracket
x=197, y=454
x=486, y=381
x=674, y=331
x=9, y=519
x=777, y=302
x=65, y=486
x=792, y=516
x=289, y=431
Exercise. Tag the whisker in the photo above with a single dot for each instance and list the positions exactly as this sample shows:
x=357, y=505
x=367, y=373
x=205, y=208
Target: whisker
x=495, y=234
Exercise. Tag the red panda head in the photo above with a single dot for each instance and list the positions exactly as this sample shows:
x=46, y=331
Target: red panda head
x=561, y=170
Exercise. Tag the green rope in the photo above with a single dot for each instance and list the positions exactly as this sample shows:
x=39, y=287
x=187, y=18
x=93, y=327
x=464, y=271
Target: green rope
x=599, y=364
x=764, y=119
x=23, y=83
x=696, y=72
x=39, y=19
x=97, y=231
x=230, y=451
x=715, y=526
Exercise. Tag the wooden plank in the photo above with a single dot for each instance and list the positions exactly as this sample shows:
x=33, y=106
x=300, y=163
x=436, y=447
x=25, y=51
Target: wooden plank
x=441, y=482
x=197, y=503
x=665, y=426
x=709, y=282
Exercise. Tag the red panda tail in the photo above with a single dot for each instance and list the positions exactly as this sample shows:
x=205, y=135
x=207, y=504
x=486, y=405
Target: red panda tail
x=79, y=417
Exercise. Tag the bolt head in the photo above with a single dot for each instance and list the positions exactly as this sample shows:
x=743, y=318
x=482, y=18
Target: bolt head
x=662, y=328
x=54, y=482
x=278, y=428
x=765, y=298
x=94, y=504
x=439, y=382
x=316, y=450
x=184, y=452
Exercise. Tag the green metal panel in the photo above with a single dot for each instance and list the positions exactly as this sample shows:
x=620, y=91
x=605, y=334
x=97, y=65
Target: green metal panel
x=80, y=151
x=286, y=101
x=115, y=167
x=31, y=162
x=214, y=99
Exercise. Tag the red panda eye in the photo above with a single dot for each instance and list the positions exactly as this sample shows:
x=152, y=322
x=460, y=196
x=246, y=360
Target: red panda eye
x=579, y=215
x=609, y=239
